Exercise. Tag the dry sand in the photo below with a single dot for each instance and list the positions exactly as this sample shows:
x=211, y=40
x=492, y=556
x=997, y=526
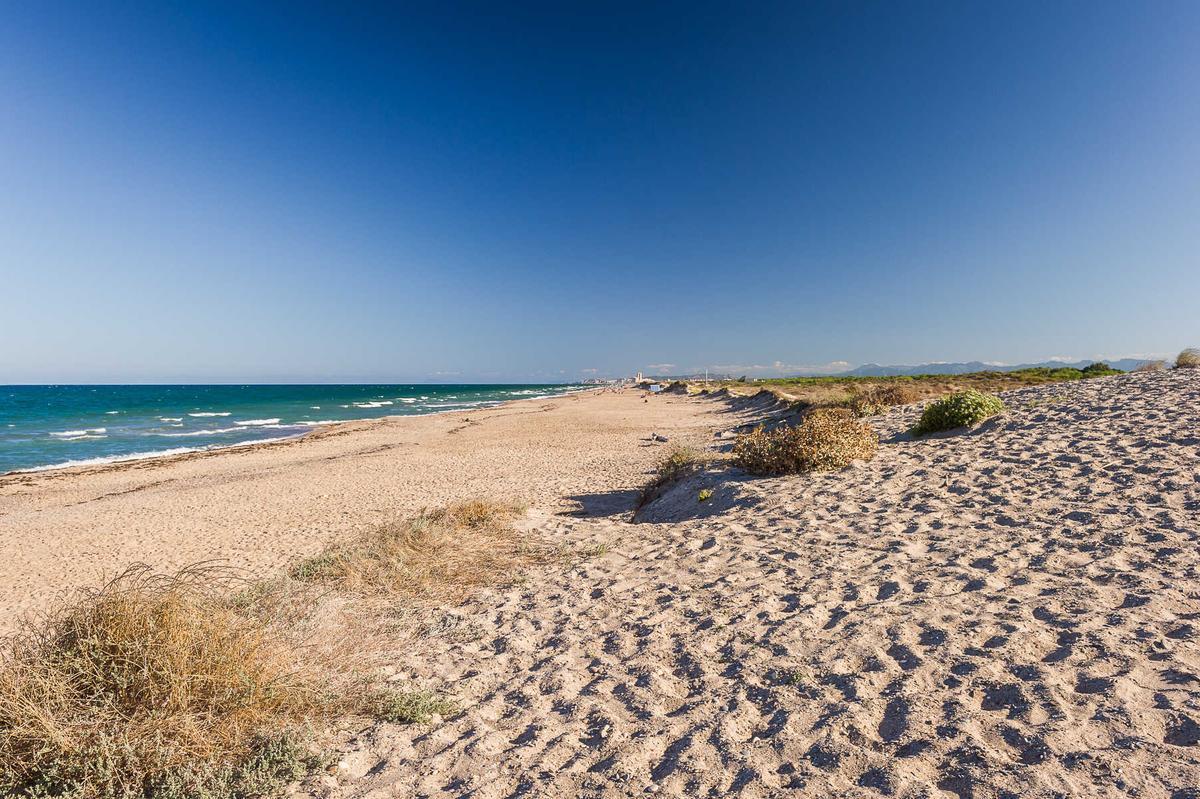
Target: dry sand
x=259, y=507
x=1010, y=611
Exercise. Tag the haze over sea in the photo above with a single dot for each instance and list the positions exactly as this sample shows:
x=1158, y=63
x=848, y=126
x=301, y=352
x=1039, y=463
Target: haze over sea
x=72, y=425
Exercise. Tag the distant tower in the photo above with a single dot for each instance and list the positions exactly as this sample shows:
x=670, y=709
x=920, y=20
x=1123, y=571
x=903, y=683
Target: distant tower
x=638, y=379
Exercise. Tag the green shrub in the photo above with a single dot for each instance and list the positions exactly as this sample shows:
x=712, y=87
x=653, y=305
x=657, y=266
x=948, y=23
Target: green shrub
x=960, y=409
x=826, y=439
x=412, y=707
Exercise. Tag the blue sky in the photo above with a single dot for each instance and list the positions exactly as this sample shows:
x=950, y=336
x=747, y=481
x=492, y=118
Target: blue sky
x=548, y=191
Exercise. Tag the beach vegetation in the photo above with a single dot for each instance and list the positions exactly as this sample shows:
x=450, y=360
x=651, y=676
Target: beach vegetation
x=825, y=439
x=411, y=707
x=705, y=494
x=157, y=686
x=205, y=685
x=678, y=464
x=858, y=392
x=1151, y=366
x=877, y=398
x=1188, y=359
x=439, y=554
x=961, y=409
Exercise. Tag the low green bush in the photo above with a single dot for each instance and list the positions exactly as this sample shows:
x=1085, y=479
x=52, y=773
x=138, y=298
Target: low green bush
x=960, y=409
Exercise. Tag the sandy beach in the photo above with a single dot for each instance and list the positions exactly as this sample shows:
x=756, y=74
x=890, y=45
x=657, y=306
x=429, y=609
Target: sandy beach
x=1008, y=611
x=261, y=507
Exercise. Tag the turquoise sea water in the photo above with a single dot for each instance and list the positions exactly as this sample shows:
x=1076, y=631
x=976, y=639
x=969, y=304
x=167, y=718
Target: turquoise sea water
x=47, y=426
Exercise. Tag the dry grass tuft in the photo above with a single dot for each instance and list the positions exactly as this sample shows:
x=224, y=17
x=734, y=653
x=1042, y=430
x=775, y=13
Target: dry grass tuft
x=200, y=685
x=441, y=554
x=876, y=399
x=152, y=686
x=1188, y=359
x=1151, y=366
x=825, y=439
x=679, y=463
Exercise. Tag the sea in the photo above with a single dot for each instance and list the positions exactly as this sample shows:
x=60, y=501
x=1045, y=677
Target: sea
x=44, y=427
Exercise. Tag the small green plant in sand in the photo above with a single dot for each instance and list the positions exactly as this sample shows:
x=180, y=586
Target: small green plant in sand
x=679, y=463
x=411, y=707
x=825, y=439
x=705, y=494
x=1188, y=359
x=154, y=686
x=961, y=409
x=440, y=554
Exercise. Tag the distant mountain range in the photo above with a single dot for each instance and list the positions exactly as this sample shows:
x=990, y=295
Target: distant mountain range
x=876, y=370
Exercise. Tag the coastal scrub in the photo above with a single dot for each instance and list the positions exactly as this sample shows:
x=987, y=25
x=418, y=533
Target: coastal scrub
x=154, y=685
x=1188, y=359
x=826, y=439
x=960, y=409
x=876, y=399
x=679, y=463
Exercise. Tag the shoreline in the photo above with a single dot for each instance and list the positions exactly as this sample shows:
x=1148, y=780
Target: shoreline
x=86, y=465
x=259, y=506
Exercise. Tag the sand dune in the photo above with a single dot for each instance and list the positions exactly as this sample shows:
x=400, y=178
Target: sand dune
x=1007, y=612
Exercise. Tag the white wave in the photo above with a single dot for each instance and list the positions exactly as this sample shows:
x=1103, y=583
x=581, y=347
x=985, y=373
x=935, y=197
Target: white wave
x=137, y=456
x=79, y=433
x=191, y=433
x=372, y=404
x=110, y=413
x=211, y=413
x=321, y=422
x=314, y=407
x=170, y=418
x=257, y=422
x=408, y=399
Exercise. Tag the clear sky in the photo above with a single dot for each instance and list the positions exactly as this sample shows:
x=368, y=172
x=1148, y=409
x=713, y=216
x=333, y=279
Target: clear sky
x=517, y=191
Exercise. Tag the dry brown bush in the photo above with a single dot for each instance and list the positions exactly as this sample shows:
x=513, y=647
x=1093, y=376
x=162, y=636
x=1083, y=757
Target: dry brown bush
x=203, y=685
x=1188, y=359
x=878, y=398
x=1151, y=366
x=825, y=439
x=151, y=685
